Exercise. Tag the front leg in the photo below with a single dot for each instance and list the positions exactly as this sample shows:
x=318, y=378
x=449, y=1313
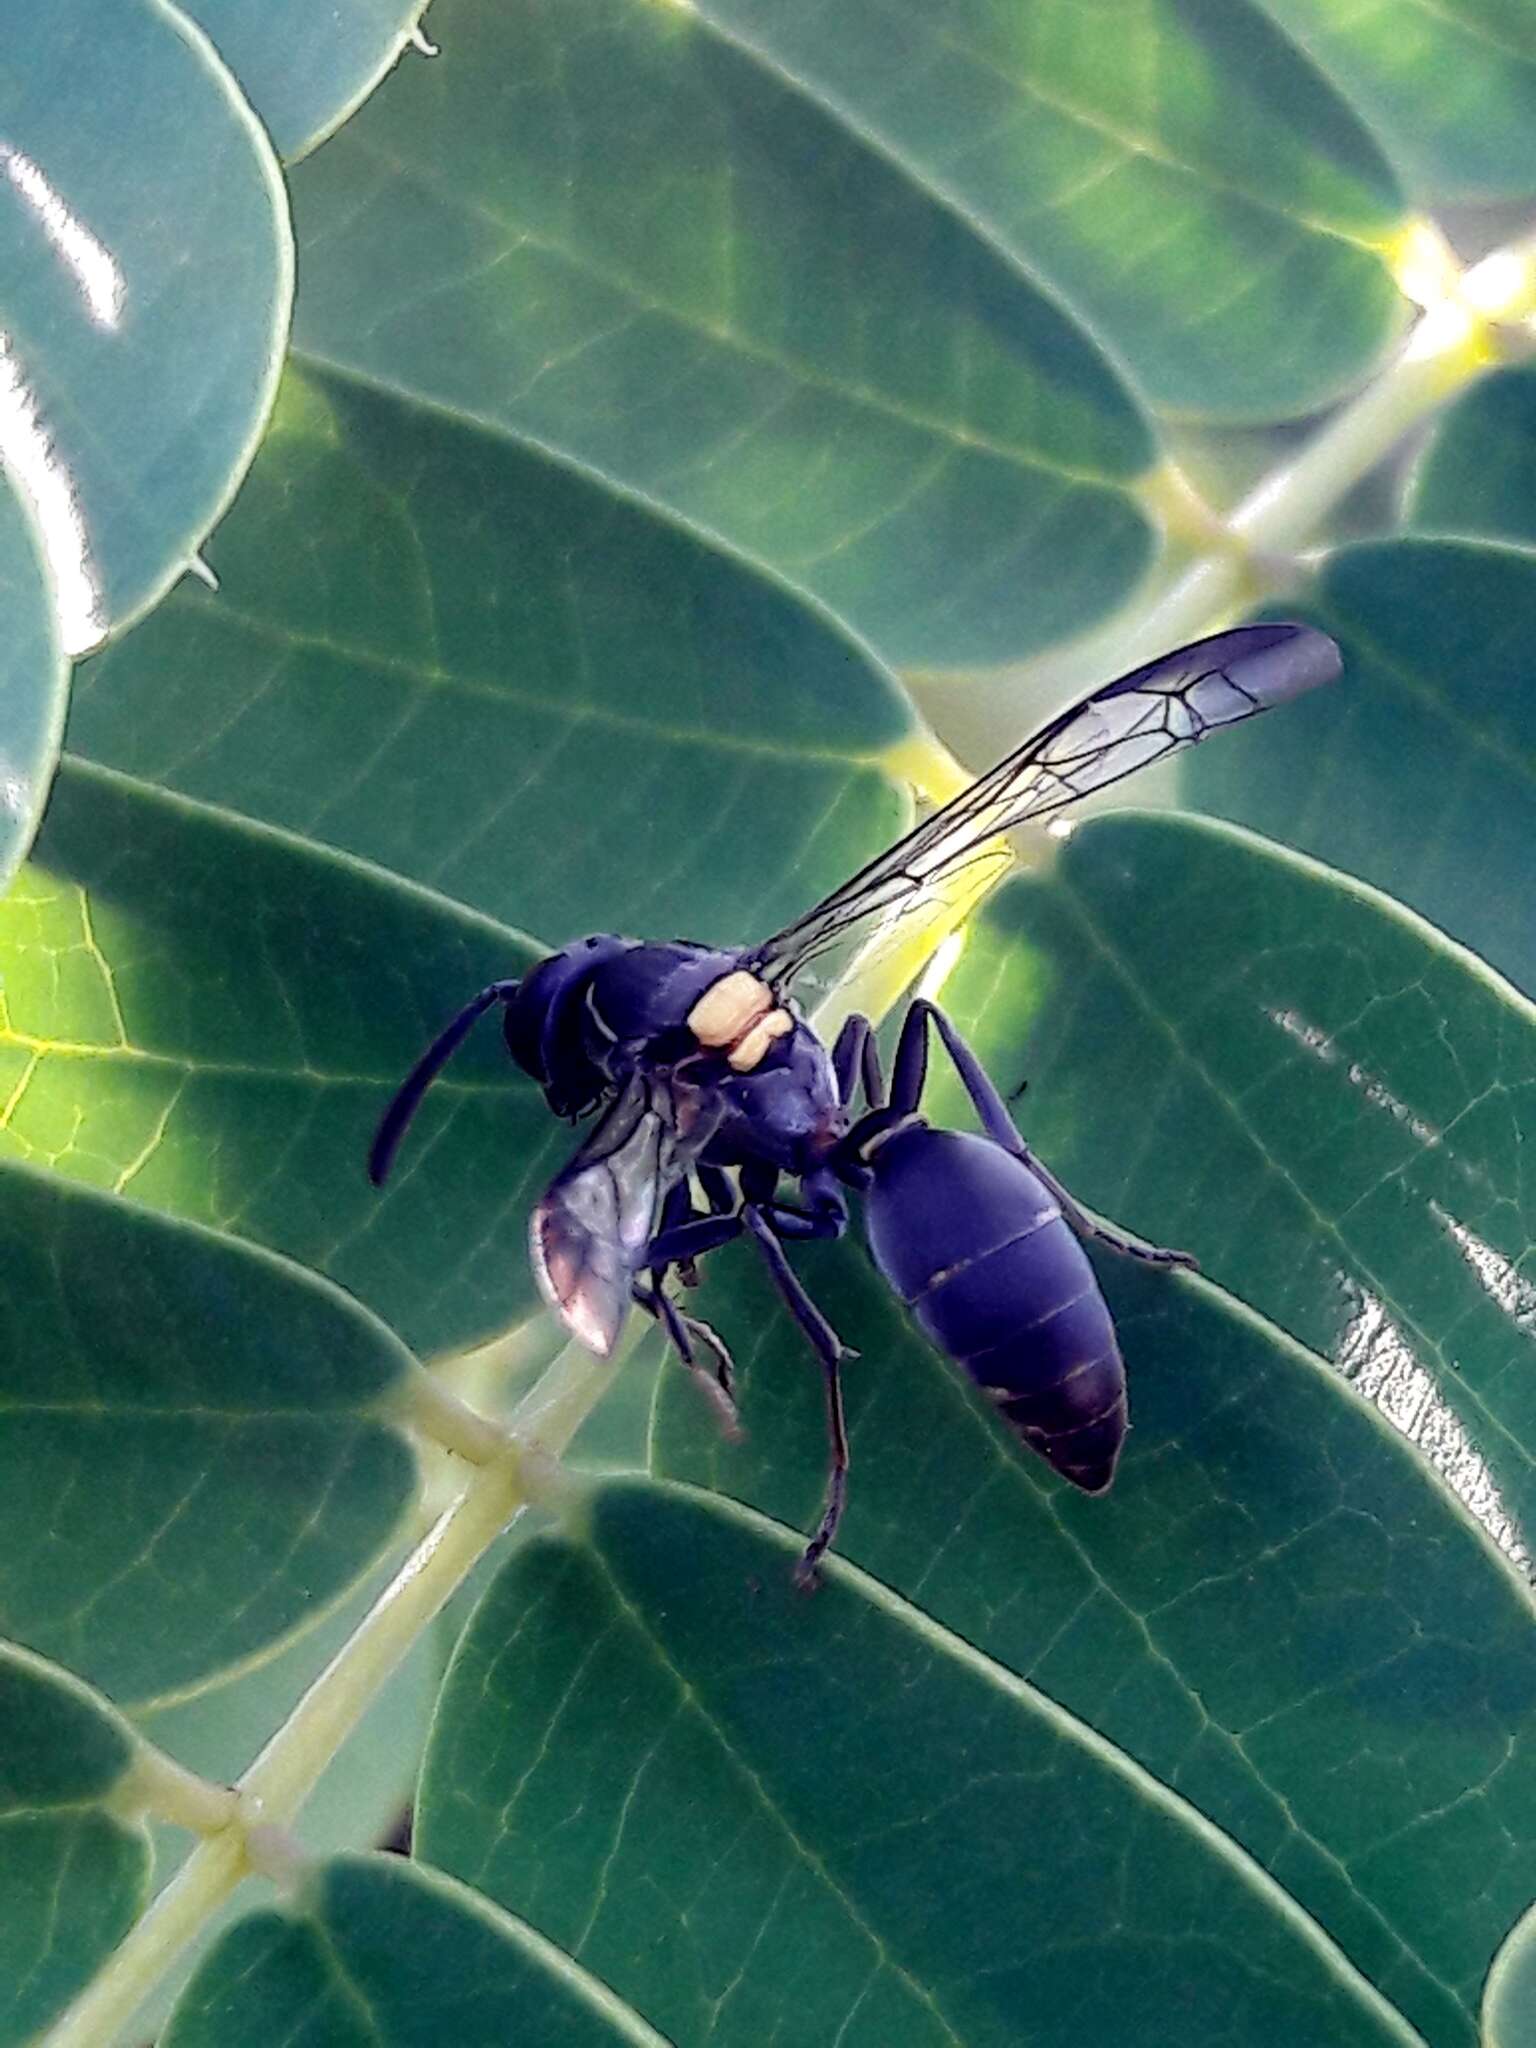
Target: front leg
x=684, y=1236
x=685, y=1331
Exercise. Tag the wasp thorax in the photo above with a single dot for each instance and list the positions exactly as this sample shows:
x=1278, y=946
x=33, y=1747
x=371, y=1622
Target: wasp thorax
x=749, y=1049
x=727, y=1011
x=737, y=1016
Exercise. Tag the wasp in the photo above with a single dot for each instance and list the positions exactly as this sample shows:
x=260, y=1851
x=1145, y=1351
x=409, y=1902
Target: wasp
x=709, y=1090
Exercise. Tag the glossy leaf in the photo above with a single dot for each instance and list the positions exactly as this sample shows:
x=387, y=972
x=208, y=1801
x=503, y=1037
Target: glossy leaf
x=1276, y=1611
x=1416, y=771
x=1277, y=1069
x=304, y=68
x=194, y=1462
x=73, y=1873
x=380, y=1953
x=755, y=1813
x=599, y=226
x=147, y=279
x=212, y=1018
x=1478, y=472
x=457, y=658
x=1179, y=171
x=1509, y=2010
x=1450, y=90
x=33, y=681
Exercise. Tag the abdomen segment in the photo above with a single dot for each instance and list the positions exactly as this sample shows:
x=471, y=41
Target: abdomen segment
x=978, y=1250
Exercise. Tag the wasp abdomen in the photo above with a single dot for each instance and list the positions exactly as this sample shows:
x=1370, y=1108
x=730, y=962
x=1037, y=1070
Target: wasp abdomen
x=978, y=1249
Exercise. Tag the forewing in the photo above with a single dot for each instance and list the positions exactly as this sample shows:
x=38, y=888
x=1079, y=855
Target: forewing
x=588, y=1234
x=1173, y=702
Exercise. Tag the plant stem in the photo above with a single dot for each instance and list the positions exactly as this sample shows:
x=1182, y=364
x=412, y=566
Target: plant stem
x=283, y=1775
x=1480, y=320
x=433, y=1408
x=281, y=1778
x=159, y=1785
x=136, y=1966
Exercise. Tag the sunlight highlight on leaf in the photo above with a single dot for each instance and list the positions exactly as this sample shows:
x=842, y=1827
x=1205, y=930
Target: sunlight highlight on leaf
x=29, y=454
x=1377, y=1359
x=96, y=270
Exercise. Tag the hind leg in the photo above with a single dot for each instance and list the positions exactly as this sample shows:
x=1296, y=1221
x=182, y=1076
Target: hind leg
x=830, y=1352
x=910, y=1072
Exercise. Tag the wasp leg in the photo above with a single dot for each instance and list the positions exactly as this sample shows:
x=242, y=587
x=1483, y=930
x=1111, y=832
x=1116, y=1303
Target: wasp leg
x=721, y=1199
x=765, y=1219
x=678, y=1215
x=824, y=1214
x=691, y=1240
x=856, y=1063
x=1001, y=1129
x=831, y=1351
x=724, y=1376
x=684, y=1331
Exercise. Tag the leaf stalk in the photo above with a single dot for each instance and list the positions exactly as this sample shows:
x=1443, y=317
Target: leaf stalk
x=272, y=1790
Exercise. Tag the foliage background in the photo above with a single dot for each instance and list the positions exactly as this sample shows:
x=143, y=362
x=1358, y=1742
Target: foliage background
x=588, y=480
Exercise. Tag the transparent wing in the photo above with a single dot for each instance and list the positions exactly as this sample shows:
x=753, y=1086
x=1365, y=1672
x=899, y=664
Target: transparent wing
x=1175, y=701
x=588, y=1234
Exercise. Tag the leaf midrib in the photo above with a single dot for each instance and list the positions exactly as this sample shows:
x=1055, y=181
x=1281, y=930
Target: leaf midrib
x=1132, y=142
x=45, y=1048
x=428, y=676
x=808, y=1857
x=750, y=348
x=1068, y=1727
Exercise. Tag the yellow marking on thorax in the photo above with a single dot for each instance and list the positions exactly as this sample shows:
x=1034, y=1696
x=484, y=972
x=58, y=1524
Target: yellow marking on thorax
x=749, y=1049
x=739, y=1018
x=727, y=1011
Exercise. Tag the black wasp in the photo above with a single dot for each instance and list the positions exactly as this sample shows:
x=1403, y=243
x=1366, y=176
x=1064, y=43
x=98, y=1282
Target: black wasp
x=710, y=1088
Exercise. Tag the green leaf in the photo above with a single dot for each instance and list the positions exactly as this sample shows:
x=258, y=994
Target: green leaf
x=34, y=678
x=212, y=1017
x=73, y=1874
x=598, y=226
x=1234, y=1051
x=147, y=278
x=1478, y=472
x=757, y=1814
x=1177, y=170
x=1276, y=1601
x=379, y=1953
x=1509, y=2009
x=454, y=657
x=1450, y=90
x=227, y=1409
x=303, y=68
x=1418, y=770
